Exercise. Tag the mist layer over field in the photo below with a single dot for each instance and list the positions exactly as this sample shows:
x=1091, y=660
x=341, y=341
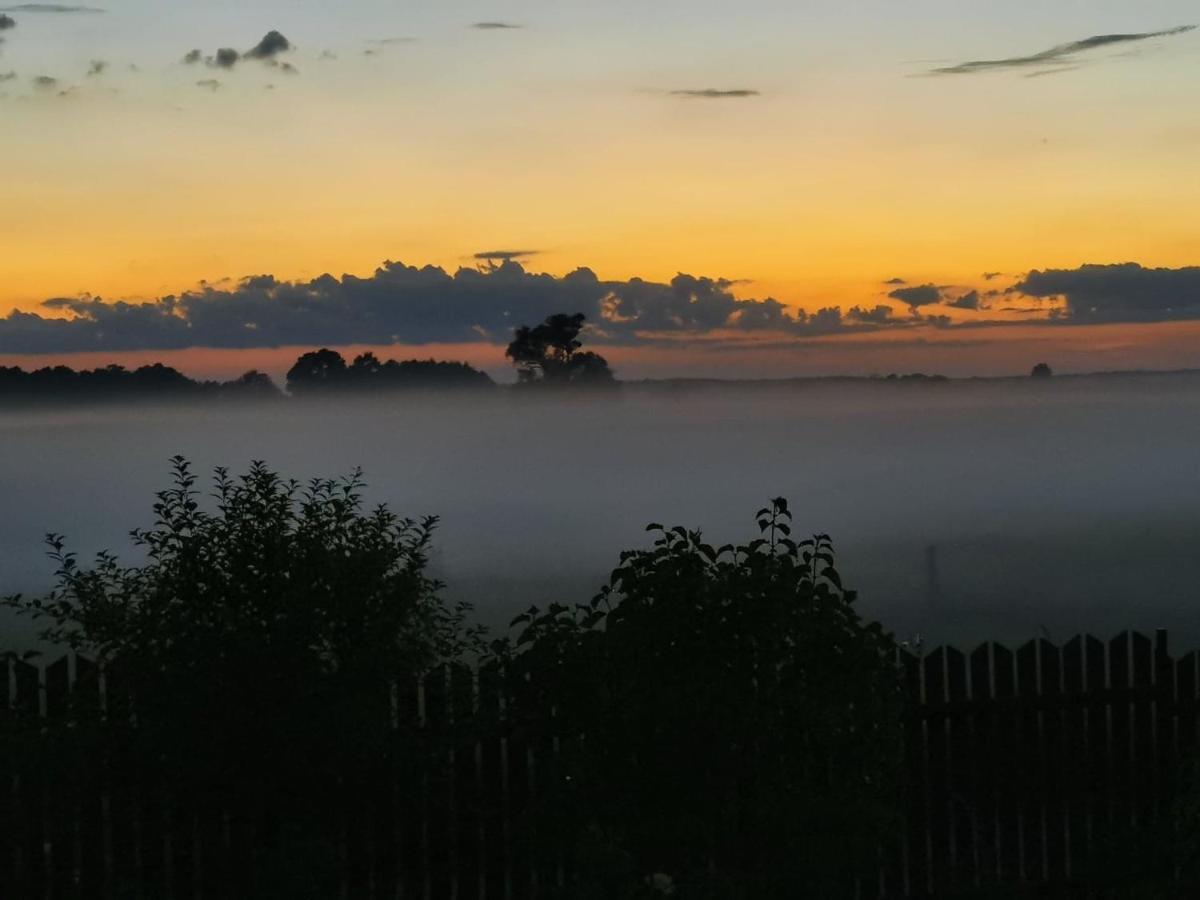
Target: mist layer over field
x=1051, y=506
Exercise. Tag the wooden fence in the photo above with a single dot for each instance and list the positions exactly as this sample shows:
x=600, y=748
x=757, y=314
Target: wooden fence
x=1052, y=769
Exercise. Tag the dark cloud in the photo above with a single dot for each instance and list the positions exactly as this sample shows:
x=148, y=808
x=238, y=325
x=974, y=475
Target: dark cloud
x=272, y=44
x=715, y=93
x=96, y=67
x=881, y=314
x=494, y=26
x=266, y=50
x=388, y=41
x=209, y=84
x=1125, y=292
x=969, y=300
x=45, y=82
x=921, y=295
x=8, y=76
x=895, y=281
x=406, y=304
x=225, y=58
x=7, y=22
x=288, y=68
x=504, y=254
x=1058, y=70
x=50, y=8
x=989, y=276
x=1057, y=56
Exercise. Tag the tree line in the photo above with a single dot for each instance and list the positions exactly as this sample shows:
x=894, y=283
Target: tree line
x=546, y=355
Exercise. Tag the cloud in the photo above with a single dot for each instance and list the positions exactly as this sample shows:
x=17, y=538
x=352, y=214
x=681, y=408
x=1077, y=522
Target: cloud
x=225, y=58
x=406, y=304
x=1124, y=292
x=209, y=84
x=96, y=67
x=494, y=26
x=45, y=82
x=504, y=254
x=989, y=276
x=1059, y=55
x=895, y=281
x=7, y=76
x=51, y=8
x=7, y=22
x=266, y=50
x=388, y=41
x=969, y=300
x=715, y=94
x=272, y=44
x=921, y=295
x=881, y=314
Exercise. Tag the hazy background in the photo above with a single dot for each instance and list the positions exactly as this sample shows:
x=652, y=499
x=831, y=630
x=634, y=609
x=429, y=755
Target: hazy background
x=1054, y=506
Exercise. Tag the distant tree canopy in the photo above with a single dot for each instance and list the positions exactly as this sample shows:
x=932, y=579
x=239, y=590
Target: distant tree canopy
x=551, y=353
x=322, y=371
x=313, y=373
x=1041, y=370
x=59, y=384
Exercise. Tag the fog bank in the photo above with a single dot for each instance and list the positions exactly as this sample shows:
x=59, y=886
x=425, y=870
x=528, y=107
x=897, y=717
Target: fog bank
x=1053, y=506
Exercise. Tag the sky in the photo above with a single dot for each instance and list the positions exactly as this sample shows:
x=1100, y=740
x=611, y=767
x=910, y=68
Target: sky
x=752, y=189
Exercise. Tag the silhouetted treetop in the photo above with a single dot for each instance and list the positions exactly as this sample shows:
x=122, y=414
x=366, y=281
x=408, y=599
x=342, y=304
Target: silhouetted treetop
x=1041, y=370
x=322, y=371
x=112, y=383
x=551, y=353
x=317, y=370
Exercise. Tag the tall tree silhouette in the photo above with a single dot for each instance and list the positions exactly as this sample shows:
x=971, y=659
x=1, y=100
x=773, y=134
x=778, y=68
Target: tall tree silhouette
x=551, y=353
x=318, y=370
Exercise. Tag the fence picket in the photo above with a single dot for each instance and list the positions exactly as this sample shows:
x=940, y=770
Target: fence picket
x=1024, y=767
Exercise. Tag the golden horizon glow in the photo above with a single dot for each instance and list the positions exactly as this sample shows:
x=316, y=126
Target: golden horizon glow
x=839, y=174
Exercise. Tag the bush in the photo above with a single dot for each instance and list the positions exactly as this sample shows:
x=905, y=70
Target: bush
x=254, y=648
x=727, y=720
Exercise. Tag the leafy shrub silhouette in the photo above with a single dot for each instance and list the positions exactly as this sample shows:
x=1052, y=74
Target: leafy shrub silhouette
x=727, y=720
x=255, y=646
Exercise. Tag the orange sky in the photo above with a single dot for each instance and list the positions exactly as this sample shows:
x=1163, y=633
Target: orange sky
x=842, y=171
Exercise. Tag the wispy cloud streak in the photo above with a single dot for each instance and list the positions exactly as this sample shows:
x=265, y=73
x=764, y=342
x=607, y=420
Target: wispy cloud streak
x=1057, y=55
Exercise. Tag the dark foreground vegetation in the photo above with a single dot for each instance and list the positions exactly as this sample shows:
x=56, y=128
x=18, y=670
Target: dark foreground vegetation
x=279, y=703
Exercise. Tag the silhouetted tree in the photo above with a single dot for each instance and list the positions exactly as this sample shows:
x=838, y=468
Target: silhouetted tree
x=324, y=370
x=317, y=371
x=254, y=385
x=550, y=353
x=1041, y=370
x=740, y=724
x=364, y=369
